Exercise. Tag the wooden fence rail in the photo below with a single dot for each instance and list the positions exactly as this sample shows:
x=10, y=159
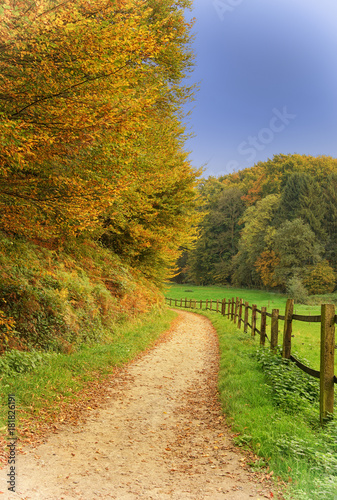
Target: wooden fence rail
x=238, y=311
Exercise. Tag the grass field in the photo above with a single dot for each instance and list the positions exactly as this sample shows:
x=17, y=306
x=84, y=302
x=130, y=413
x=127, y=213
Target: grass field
x=306, y=336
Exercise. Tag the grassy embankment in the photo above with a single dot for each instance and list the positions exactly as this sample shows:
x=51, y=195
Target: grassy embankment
x=69, y=314
x=274, y=409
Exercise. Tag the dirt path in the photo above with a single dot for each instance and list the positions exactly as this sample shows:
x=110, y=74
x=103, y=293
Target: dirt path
x=159, y=434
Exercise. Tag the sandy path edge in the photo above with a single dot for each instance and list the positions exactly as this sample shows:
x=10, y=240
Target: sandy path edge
x=159, y=434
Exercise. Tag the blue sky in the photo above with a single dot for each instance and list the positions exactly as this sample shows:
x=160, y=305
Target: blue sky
x=267, y=71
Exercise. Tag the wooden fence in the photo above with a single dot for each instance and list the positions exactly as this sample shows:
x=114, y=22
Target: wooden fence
x=241, y=312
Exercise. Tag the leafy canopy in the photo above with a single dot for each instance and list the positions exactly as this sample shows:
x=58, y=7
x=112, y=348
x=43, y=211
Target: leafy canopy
x=91, y=130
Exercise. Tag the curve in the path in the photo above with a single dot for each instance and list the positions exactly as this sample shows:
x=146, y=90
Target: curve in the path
x=159, y=435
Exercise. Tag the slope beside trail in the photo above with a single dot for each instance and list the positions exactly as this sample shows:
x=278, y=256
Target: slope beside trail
x=159, y=434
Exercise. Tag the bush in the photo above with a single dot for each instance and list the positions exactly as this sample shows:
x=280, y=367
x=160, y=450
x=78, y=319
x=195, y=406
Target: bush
x=21, y=362
x=320, y=279
x=296, y=290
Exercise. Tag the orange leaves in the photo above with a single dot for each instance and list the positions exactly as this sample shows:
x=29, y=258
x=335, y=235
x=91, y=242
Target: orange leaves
x=7, y=325
x=70, y=59
x=90, y=135
x=266, y=265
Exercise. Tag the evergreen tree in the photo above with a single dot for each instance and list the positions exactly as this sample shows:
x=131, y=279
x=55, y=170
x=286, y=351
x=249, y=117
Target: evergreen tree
x=302, y=198
x=330, y=219
x=211, y=260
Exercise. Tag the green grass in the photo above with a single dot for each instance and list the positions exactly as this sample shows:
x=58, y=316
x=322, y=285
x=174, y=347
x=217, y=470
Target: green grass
x=259, y=297
x=57, y=379
x=306, y=336
x=287, y=437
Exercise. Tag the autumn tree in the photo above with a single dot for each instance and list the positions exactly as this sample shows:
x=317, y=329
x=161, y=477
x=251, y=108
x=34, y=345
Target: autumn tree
x=320, y=278
x=71, y=79
x=256, y=238
x=266, y=264
x=91, y=100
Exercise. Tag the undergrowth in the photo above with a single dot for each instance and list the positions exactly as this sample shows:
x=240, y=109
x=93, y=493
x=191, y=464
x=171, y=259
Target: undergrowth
x=56, y=299
x=292, y=389
x=14, y=362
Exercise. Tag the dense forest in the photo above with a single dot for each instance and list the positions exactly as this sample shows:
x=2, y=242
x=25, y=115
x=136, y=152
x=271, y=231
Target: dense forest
x=96, y=191
x=272, y=226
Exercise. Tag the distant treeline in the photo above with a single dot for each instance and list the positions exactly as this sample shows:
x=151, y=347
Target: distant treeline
x=270, y=226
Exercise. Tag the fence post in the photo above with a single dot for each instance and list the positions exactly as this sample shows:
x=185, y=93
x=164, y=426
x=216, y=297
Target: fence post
x=217, y=305
x=274, y=329
x=236, y=309
x=206, y=304
x=245, y=324
x=210, y=307
x=232, y=309
x=223, y=307
x=229, y=308
x=240, y=313
x=288, y=317
x=201, y=304
x=263, y=325
x=254, y=307
x=327, y=388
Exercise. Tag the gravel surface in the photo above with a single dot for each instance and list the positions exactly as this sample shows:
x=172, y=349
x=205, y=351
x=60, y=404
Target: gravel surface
x=159, y=434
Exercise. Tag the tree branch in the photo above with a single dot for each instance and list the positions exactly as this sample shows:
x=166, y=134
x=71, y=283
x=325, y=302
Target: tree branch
x=58, y=94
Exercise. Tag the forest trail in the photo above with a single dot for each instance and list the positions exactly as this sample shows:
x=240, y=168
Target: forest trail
x=159, y=434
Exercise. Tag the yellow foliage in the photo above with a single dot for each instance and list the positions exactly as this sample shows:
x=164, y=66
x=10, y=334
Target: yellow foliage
x=320, y=278
x=91, y=138
x=266, y=265
x=6, y=323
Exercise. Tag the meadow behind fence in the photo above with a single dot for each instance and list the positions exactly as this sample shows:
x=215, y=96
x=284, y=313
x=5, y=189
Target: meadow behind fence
x=243, y=314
